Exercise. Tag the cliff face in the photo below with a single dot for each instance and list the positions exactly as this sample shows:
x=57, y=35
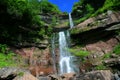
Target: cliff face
x=108, y=21
x=102, y=27
x=98, y=35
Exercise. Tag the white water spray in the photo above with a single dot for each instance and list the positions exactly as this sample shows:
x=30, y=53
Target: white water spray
x=65, y=56
x=53, y=53
x=71, y=21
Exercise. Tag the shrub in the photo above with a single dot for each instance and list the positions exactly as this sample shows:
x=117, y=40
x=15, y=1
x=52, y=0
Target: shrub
x=100, y=67
x=106, y=56
x=116, y=49
x=7, y=60
x=79, y=53
x=6, y=56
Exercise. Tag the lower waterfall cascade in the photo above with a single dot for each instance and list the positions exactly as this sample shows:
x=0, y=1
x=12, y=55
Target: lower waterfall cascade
x=66, y=59
x=65, y=56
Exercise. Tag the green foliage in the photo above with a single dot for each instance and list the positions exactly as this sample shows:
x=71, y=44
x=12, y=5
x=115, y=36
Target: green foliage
x=83, y=18
x=106, y=56
x=20, y=20
x=20, y=74
x=89, y=8
x=49, y=8
x=54, y=20
x=100, y=67
x=118, y=32
x=80, y=53
x=6, y=56
x=117, y=49
x=3, y=48
x=108, y=5
x=7, y=60
x=83, y=10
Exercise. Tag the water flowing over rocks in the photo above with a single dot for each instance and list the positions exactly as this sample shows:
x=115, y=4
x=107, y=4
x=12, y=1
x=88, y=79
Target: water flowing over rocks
x=97, y=34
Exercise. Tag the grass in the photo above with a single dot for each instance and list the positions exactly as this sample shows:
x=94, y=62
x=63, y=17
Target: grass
x=7, y=60
x=20, y=74
x=106, y=56
x=116, y=49
x=100, y=67
x=79, y=53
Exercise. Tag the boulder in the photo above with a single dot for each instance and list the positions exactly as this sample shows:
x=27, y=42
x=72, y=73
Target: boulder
x=112, y=61
x=54, y=77
x=97, y=75
x=7, y=71
x=25, y=76
x=13, y=73
x=68, y=76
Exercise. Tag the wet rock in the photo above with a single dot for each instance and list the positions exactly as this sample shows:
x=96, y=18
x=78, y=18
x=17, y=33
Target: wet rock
x=54, y=77
x=112, y=61
x=97, y=75
x=68, y=76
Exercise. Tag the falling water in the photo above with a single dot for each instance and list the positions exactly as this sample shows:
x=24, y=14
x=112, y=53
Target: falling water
x=66, y=60
x=71, y=21
x=65, y=56
x=53, y=53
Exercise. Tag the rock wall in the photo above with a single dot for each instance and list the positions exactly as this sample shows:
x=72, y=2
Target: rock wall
x=39, y=61
x=98, y=33
x=98, y=36
x=109, y=20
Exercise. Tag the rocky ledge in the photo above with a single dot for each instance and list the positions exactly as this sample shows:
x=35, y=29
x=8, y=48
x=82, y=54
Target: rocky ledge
x=108, y=21
x=9, y=73
x=12, y=73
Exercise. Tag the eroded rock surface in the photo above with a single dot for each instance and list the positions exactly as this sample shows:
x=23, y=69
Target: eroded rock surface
x=13, y=73
x=97, y=75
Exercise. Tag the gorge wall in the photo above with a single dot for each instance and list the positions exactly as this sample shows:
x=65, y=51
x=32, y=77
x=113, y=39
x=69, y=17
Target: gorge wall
x=98, y=34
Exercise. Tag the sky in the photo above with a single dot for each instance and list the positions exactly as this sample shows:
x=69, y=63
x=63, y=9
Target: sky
x=64, y=5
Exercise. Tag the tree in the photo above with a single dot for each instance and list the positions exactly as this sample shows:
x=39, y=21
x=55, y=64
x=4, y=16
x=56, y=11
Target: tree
x=20, y=21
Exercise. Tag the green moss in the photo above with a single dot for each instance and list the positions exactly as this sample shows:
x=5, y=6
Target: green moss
x=101, y=67
x=79, y=30
x=79, y=53
x=7, y=60
x=118, y=32
x=106, y=56
x=117, y=49
x=20, y=74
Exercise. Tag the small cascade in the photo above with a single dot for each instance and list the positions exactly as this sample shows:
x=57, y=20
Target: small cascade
x=66, y=59
x=65, y=62
x=53, y=53
x=71, y=21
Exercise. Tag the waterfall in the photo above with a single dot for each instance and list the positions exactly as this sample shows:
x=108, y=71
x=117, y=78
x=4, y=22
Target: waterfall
x=66, y=59
x=71, y=21
x=65, y=62
x=53, y=53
